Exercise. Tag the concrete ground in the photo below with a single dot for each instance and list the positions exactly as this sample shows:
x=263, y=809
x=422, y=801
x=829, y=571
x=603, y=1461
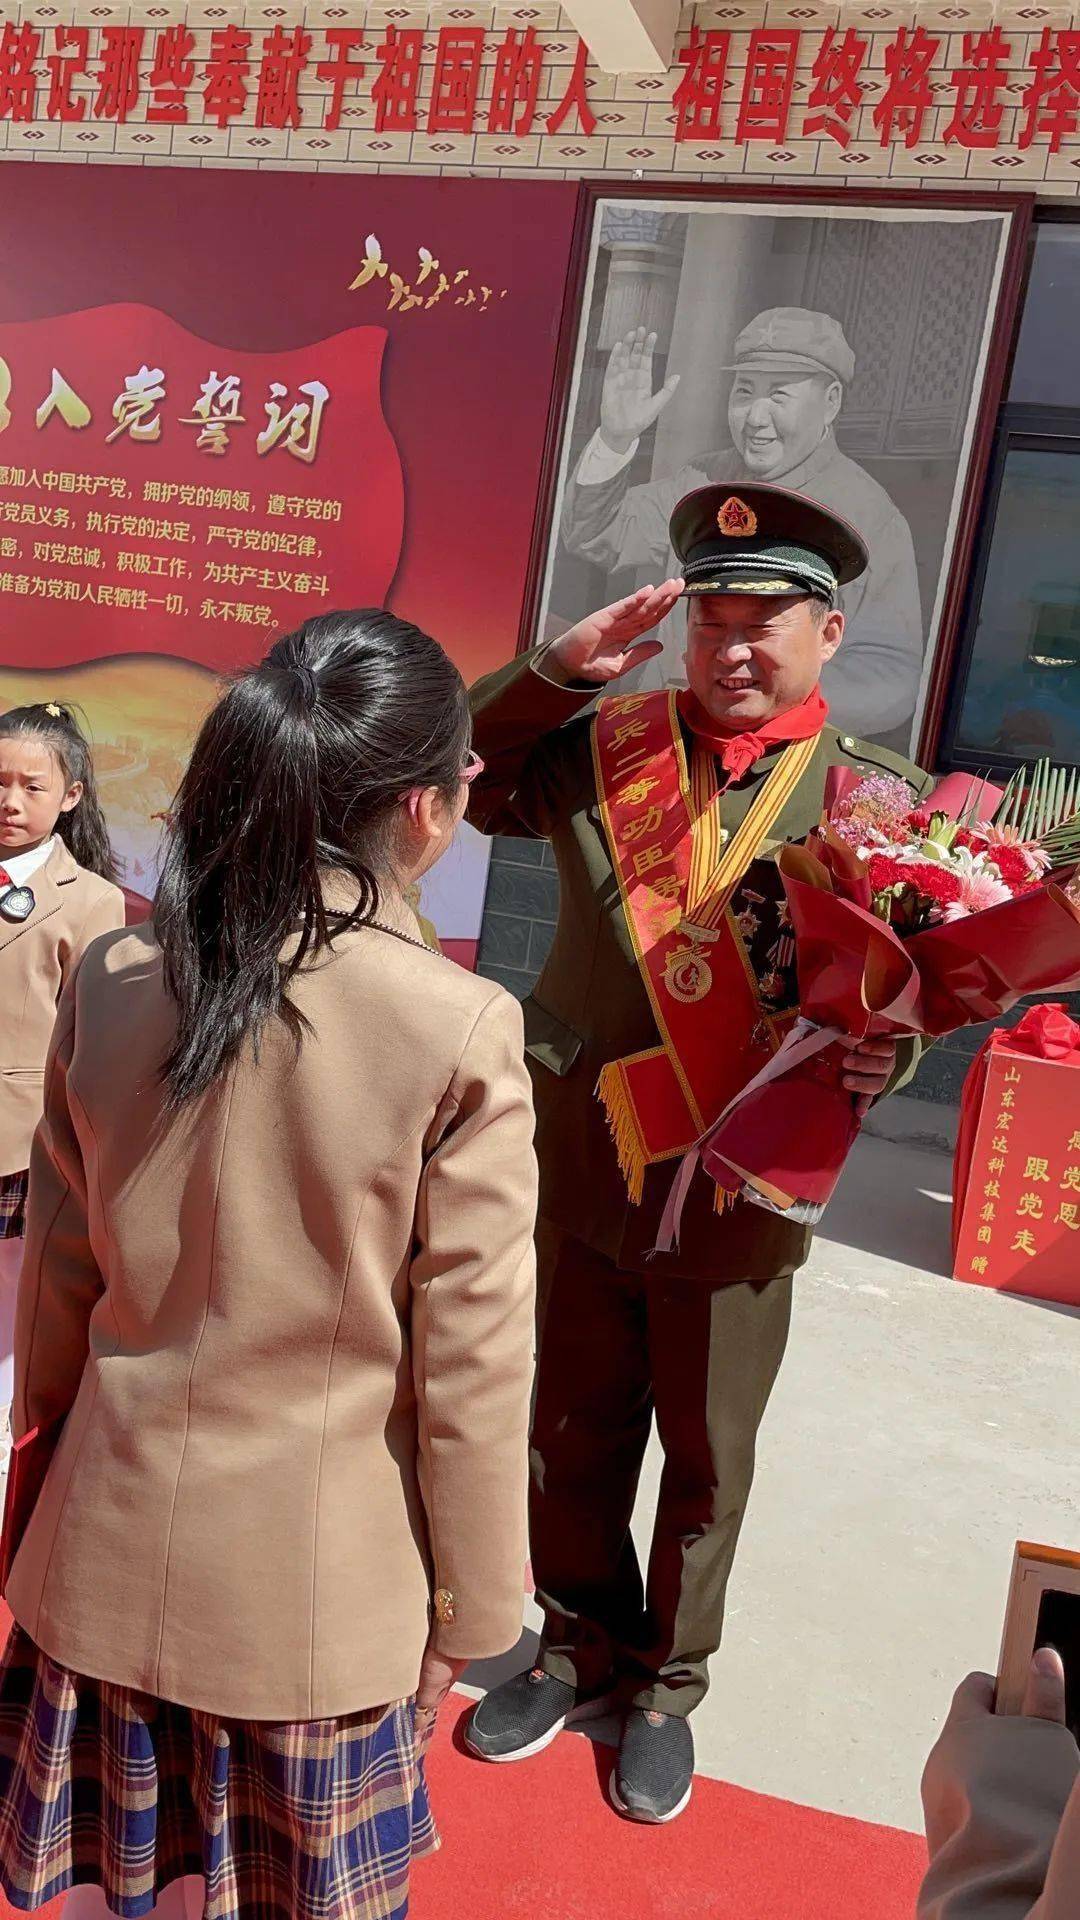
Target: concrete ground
x=918, y=1429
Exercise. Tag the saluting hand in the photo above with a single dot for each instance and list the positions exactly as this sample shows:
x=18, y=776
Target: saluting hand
x=607, y=644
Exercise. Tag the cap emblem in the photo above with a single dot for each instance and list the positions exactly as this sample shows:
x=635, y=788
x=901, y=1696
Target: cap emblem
x=736, y=520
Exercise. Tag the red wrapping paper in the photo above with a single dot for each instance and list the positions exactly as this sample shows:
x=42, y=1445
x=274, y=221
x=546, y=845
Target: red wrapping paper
x=786, y=1136
x=791, y=1136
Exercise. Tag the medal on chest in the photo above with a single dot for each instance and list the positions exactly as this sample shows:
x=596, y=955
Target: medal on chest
x=688, y=976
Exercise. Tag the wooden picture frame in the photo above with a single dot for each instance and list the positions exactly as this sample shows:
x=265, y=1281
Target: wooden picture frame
x=1012, y=210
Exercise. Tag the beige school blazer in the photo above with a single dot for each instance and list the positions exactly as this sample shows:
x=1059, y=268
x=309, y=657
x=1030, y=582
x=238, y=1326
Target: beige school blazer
x=291, y=1330
x=71, y=907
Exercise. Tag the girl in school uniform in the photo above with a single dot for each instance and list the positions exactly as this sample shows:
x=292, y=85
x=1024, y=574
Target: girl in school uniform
x=278, y=1293
x=57, y=893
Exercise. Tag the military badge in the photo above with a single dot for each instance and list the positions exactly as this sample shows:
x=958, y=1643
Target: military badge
x=736, y=520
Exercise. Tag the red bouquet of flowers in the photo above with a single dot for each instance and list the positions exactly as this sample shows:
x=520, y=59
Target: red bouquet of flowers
x=906, y=921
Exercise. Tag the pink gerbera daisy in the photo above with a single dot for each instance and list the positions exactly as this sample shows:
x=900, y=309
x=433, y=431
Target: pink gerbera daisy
x=979, y=889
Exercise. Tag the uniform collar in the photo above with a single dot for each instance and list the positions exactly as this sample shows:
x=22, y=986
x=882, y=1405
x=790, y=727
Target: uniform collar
x=61, y=866
x=59, y=871
x=763, y=767
x=21, y=867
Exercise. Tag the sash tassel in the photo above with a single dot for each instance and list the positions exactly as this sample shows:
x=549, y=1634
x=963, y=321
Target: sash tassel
x=614, y=1094
x=617, y=1101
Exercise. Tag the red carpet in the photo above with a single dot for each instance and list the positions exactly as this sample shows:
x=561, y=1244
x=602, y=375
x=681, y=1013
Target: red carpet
x=541, y=1840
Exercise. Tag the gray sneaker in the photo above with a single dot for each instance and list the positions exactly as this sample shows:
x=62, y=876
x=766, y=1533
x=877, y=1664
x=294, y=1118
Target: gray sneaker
x=653, y=1776
x=526, y=1714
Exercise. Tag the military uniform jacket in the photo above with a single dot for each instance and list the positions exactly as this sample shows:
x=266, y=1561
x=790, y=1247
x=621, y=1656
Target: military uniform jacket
x=590, y=1006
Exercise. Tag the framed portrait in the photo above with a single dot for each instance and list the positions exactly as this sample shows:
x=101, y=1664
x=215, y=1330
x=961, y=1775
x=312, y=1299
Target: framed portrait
x=849, y=347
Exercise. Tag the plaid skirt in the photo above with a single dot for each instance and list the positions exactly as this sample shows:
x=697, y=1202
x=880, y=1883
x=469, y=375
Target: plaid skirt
x=13, y=1205
x=98, y=1784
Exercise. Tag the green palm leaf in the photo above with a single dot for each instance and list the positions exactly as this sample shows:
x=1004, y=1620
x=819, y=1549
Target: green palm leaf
x=1041, y=804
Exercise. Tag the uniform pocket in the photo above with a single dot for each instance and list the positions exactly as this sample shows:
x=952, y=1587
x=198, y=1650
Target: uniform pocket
x=548, y=1040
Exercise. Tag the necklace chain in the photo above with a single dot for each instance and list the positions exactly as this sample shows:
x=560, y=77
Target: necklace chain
x=396, y=934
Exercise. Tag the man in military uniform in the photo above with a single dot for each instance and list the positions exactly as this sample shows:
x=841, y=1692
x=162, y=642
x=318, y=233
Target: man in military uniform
x=669, y=983
x=792, y=368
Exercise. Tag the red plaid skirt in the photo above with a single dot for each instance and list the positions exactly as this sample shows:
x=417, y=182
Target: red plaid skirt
x=13, y=1205
x=103, y=1786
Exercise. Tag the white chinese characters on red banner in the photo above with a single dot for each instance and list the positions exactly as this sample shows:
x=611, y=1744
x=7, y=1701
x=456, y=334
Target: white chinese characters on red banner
x=184, y=497
x=76, y=73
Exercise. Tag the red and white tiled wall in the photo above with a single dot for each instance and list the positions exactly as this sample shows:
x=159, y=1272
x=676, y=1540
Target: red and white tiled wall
x=762, y=90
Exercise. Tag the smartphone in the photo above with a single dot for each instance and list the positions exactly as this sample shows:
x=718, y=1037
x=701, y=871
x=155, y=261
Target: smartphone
x=1043, y=1611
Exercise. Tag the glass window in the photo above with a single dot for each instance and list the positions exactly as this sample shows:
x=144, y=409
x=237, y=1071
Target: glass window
x=1022, y=695
x=1046, y=371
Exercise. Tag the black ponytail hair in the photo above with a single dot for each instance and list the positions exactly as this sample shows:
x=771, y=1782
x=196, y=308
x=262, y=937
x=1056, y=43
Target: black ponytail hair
x=83, y=829
x=295, y=772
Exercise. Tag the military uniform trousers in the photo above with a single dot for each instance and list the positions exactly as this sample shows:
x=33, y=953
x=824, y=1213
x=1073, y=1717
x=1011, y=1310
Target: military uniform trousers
x=616, y=1348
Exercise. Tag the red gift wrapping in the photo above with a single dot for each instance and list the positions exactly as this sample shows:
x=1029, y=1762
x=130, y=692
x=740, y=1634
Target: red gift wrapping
x=1016, y=1174
x=785, y=1136
x=1046, y=1032
x=956, y=793
x=789, y=1133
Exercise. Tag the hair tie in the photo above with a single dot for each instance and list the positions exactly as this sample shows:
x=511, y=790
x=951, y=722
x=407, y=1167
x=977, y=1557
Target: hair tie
x=51, y=707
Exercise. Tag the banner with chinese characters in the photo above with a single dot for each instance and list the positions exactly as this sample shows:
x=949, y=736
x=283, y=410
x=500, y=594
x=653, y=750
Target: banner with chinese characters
x=822, y=90
x=113, y=494
x=1020, y=1221
x=346, y=405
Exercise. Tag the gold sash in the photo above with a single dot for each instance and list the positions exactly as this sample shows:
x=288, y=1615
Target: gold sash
x=677, y=871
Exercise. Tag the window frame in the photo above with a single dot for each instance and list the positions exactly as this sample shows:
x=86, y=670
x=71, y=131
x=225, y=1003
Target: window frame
x=1020, y=426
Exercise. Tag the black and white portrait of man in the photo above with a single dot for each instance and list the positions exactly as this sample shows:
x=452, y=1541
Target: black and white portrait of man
x=839, y=357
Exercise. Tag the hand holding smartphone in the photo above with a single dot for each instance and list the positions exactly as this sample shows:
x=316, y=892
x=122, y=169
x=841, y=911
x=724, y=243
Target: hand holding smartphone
x=1043, y=1611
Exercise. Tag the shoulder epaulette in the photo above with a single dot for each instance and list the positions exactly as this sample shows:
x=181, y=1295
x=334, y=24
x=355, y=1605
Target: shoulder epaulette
x=870, y=758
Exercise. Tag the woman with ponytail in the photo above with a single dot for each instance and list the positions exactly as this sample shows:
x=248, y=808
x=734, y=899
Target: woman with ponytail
x=277, y=1307
x=56, y=895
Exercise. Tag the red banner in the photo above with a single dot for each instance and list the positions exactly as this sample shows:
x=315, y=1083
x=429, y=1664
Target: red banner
x=230, y=401
x=162, y=494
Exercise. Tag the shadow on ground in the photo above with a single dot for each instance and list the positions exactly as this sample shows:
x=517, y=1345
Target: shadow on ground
x=894, y=1201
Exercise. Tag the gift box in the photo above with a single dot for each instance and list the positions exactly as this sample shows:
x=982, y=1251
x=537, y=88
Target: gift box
x=1016, y=1175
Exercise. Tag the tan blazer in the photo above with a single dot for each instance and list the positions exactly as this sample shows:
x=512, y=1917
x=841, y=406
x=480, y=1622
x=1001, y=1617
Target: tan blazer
x=292, y=1333
x=71, y=907
x=1002, y=1804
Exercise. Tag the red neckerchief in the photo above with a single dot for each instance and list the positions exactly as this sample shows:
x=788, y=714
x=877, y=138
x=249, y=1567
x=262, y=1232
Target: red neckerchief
x=737, y=752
